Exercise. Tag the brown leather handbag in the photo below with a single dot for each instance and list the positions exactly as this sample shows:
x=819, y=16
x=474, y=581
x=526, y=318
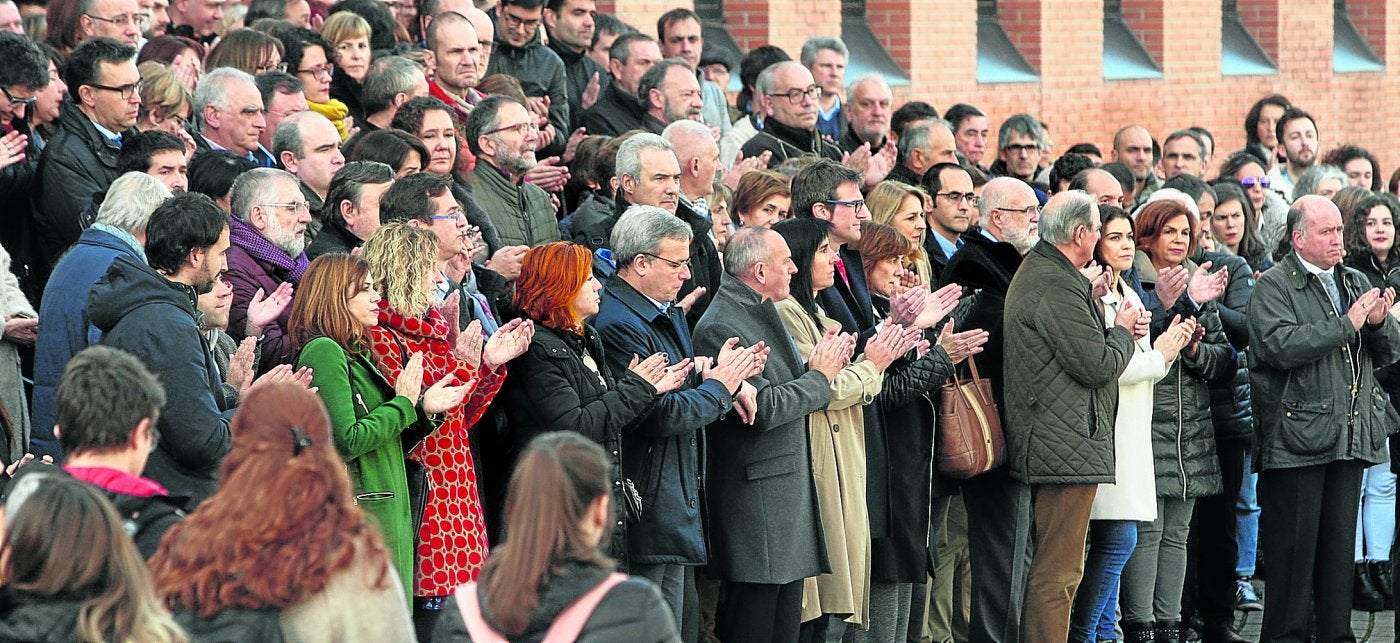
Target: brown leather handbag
x=969, y=440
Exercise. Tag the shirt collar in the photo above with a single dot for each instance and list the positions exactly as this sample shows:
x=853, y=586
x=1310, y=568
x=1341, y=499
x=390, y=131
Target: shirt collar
x=989, y=235
x=828, y=114
x=106, y=133
x=949, y=247
x=1312, y=269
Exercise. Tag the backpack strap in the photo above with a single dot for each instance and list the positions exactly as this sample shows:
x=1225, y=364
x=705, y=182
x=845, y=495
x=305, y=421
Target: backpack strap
x=570, y=622
x=477, y=627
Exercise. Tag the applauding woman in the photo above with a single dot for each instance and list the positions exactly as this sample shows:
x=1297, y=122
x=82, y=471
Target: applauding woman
x=371, y=420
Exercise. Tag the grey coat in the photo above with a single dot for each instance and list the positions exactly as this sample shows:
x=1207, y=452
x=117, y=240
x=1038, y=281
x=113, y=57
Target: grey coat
x=1061, y=370
x=761, y=497
x=1313, y=375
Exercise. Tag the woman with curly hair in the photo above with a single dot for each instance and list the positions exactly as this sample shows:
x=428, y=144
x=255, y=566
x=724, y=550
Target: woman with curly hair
x=452, y=541
x=1360, y=166
x=281, y=550
x=75, y=579
x=371, y=420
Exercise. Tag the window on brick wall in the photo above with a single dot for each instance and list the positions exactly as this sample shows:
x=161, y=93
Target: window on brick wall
x=868, y=55
x=1124, y=56
x=1350, y=51
x=718, y=41
x=1240, y=53
x=998, y=59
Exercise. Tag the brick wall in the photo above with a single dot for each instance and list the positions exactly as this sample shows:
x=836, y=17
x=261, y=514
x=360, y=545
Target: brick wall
x=936, y=44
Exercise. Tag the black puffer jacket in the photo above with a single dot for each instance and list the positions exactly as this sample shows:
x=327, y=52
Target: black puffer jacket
x=1230, y=407
x=541, y=73
x=1183, y=435
x=1389, y=376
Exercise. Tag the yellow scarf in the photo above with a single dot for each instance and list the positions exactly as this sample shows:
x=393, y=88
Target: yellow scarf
x=336, y=111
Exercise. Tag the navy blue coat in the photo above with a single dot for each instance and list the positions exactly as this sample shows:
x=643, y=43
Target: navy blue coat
x=663, y=452
x=67, y=328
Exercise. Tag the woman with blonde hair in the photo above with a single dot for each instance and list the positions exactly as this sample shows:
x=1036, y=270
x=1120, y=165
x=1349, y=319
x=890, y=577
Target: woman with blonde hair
x=165, y=103
x=78, y=578
x=281, y=550
x=902, y=207
x=247, y=50
x=452, y=541
x=349, y=36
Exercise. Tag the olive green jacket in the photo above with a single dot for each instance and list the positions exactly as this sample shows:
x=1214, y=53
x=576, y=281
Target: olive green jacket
x=522, y=214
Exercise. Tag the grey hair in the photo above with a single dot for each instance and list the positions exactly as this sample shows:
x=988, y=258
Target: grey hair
x=994, y=197
x=253, y=187
x=816, y=44
x=287, y=138
x=214, y=87
x=685, y=127
x=868, y=78
x=130, y=201
x=629, y=154
x=655, y=77
x=641, y=230
x=915, y=137
x=1314, y=176
x=1022, y=125
x=1066, y=212
x=388, y=77
x=747, y=247
x=768, y=79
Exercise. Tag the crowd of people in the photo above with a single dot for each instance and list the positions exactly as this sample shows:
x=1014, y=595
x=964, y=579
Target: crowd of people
x=451, y=321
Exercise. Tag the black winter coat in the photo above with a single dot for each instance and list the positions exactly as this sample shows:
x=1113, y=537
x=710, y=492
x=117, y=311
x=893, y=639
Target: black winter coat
x=35, y=619
x=706, y=269
x=789, y=143
x=77, y=163
x=1230, y=407
x=578, y=72
x=615, y=112
x=550, y=388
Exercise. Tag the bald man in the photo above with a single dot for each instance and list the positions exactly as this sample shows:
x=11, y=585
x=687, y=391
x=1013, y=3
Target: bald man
x=1132, y=146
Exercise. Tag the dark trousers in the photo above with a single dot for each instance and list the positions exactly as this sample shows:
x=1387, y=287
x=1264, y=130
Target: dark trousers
x=1307, y=529
x=757, y=613
x=677, y=585
x=1213, y=551
x=999, y=548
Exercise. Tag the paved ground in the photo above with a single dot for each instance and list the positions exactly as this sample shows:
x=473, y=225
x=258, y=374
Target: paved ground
x=1368, y=627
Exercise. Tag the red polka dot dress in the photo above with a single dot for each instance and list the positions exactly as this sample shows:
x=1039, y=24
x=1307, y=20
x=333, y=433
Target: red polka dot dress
x=452, y=543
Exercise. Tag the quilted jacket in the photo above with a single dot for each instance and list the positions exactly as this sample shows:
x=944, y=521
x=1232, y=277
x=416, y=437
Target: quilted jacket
x=1061, y=370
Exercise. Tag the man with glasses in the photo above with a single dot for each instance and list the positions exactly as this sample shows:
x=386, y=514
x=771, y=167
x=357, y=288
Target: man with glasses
x=283, y=95
x=425, y=201
x=266, y=260
x=789, y=101
x=502, y=134
x=81, y=158
x=119, y=20
x=1020, y=143
x=618, y=108
x=230, y=113
x=670, y=93
x=520, y=54
x=950, y=186
x=998, y=508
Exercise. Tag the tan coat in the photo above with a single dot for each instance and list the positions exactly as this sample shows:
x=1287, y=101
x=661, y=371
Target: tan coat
x=837, y=438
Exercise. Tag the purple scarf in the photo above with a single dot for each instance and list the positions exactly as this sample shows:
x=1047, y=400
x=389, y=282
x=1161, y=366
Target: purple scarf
x=256, y=245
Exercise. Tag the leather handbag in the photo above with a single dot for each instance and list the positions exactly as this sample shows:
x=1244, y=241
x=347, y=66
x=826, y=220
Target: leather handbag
x=969, y=438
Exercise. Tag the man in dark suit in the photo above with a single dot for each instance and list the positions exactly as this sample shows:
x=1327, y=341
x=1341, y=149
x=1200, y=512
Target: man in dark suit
x=765, y=534
x=954, y=205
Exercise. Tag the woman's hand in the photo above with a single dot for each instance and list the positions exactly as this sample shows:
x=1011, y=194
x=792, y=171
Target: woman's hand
x=1170, y=343
x=1206, y=286
x=940, y=303
x=442, y=396
x=672, y=377
x=889, y=343
x=649, y=369
x=240, y=365
x=508, y=342
x=410, y=381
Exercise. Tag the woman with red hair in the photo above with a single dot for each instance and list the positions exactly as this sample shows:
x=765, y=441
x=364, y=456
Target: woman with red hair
x=452, y=541
x=563, y=383
x=281, y=540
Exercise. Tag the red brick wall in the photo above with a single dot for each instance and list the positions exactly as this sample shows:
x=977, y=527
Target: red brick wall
x=936, y=44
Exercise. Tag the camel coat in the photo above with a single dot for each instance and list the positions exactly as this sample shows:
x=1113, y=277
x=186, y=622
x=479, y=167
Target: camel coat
x=836, y=435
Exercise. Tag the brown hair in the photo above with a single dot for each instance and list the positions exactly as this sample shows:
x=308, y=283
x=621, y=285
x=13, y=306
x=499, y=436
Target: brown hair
x=322, y=305
x=1153, y=216
x=879, y=242
x=243, y=49
x=503, y=85
x=283, y=521
x=558, y=477
x=550, y=277
x=755, y=188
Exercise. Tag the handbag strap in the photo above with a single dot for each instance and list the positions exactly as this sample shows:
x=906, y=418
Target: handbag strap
x=570, y=622
x=470, y=607
x=972, y=364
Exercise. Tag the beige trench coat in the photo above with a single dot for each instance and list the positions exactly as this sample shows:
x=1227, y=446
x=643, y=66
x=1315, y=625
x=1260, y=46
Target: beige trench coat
x=837, y=438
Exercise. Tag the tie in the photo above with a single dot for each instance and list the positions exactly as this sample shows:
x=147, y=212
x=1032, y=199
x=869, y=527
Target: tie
x=1329, y=283
x=841, y=270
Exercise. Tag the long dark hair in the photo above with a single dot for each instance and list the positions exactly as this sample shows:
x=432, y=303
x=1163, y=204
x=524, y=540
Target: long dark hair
x=1108, y=214
x=1354, y=229
x=803, y=236
x=1251, y=122
x=558, y=477
x=1251, y=246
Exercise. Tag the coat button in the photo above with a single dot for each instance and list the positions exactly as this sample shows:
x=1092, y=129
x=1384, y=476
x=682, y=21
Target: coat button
x=614, y=452
x=692, y=503
x=617, y=483
x=692, y=440
x=836, y=428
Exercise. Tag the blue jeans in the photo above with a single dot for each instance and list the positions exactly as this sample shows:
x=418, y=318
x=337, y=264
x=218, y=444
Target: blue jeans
x=1247, y=510
x=1111, y=542
x=1375, y=526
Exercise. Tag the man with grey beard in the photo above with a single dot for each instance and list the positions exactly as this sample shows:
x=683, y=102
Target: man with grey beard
x=501, y=133
x=266, y=258
x=998, y=508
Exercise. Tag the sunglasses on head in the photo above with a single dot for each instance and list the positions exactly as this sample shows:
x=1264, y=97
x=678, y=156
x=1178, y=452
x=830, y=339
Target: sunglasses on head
x=1251, y=181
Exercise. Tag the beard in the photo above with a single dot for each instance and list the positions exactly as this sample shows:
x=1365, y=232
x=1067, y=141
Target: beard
x=285, y=238
x=1022, y=239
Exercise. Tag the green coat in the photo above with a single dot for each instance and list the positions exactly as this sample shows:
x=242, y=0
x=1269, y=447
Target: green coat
x=369, y=422
x=522, y=214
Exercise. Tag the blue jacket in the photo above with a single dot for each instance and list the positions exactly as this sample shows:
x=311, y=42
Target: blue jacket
x=663, y=453
x=67, y=328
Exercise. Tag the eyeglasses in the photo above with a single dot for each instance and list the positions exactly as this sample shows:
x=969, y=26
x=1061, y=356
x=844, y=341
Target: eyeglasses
x=855, y=205
x=124, y=20
x=1030, y=209
x=794, y=96
x=451, y=216
x=674, y=264
x=324, y=71
x=1021, y=148
x=520, y=128
x=263, y=69
x=957, y=196
x=127, y=91
x=180, y=121
x=517, y=22
x=296, y=206
x=1251, y=181
x=17, y=102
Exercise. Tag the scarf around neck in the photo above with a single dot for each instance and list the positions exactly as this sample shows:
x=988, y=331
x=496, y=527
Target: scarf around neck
x=255, y=244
